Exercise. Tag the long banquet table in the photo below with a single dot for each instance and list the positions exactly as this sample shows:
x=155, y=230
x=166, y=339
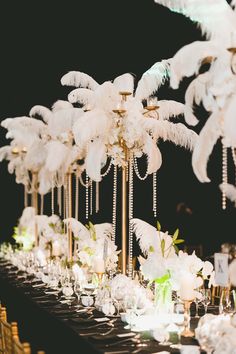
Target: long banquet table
x=58, y=329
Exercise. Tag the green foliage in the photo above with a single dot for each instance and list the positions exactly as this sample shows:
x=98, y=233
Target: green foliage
x=158, y=226
x=151, y=249
x=163, y=247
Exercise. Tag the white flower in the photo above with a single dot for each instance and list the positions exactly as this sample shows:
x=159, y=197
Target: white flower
x=207, y=269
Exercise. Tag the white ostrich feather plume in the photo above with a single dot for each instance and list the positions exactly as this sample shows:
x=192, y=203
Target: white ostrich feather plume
x=32, y=124
x=169, y=108
x=35, y=156
x=92, y=124
x=215, y=17
x=45, y=178
x=178, y=133
x=61, y=104
x=185, y=64
x=204, y=146
x=95, y=158
x=83, y=96
x=42, y=111
x=229, y=121
x=5, y=153
x=79, y=79
x=57, y=154
x=146, y=234
x=153, y=153
x=78, y=229
x=104, y=229
x=107, y=96
x=124, y=83
x=152, y=79
x=27, y=216
x=229, y=190
x=62, y=121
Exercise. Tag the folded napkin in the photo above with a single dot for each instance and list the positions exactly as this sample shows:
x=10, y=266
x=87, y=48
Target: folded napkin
x=112, y=337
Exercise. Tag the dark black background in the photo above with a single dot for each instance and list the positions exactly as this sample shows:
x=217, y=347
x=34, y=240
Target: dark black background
x=40, y=41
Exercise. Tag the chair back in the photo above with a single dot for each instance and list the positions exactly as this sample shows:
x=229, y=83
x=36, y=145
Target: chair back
x=6, y=336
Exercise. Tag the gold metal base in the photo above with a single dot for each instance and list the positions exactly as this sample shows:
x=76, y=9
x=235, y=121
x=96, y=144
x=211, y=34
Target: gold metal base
x=151, y=108
x=119, y=111
x=187, y=331
x=232, y=50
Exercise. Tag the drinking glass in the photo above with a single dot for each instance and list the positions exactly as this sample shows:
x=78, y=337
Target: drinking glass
x=206, y=298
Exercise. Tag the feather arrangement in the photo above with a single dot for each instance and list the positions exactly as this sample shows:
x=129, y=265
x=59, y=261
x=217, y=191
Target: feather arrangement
x=230, y=191
x=208, y=137
x=152, y=79
x=79, y=79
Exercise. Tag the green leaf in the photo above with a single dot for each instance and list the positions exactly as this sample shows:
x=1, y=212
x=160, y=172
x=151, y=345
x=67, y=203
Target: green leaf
x=158, y=226
x=163, y=247
x=151, y=249
x=162, y=279
x=176, y=249
x=177, y=242
x=176, y=234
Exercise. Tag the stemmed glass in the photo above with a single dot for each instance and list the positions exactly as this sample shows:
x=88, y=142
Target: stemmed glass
x=197, y=301
x=178, y=319
x=206, y=298
x=227, y=301
x=130, y=305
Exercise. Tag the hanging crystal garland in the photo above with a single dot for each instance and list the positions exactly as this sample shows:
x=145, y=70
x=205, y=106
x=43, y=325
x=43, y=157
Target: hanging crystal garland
x=114, y=201
x=224, y=174
x=137, y=171
x=154, y=194
x=97, y=198
x=76, y=197
x=91, y=198
x=87, y=196
x=107, y=170
x=131, y=202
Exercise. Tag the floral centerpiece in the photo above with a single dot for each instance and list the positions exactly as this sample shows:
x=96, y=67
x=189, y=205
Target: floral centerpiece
x=217, y=333
x=93, y=245
x=164, y=265
x=24, y=232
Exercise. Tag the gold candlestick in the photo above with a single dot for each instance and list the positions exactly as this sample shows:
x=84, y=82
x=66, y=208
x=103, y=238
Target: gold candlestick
x=69, y=215
x=187, y=332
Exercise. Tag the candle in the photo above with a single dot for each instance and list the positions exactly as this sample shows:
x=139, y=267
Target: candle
x=99, y=265
x=187, y=285
x=56, y=248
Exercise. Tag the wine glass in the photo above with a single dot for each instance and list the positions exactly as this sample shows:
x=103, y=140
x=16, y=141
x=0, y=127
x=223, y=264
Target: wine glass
x=227, y=301
x=197, y=301
x=206, y=298
x=178, y=319
x=130, y=305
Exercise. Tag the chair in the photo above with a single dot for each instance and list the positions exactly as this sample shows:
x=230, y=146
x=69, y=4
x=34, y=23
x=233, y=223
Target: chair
x=6, y=334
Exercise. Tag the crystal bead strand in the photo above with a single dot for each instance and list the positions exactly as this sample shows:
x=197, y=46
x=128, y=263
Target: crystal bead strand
x=131, y=199
x=154, y=194
x=76, y=197
x=137, y=171
x=86, y=196
x=97, y=197
x=91, y=198
x=224, y=174
x=108, y=169
x=114, y=200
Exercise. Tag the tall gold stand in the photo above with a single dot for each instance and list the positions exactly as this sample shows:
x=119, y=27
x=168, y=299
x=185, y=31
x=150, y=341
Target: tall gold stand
x=69, y=215
x=124, y=220
x=187, y=332
x=34, y=203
